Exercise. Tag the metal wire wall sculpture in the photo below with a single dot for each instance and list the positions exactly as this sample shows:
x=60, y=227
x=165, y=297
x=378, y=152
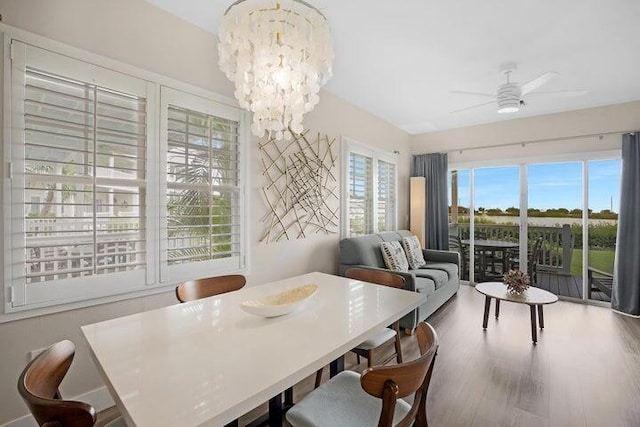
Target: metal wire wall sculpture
x=301, y=190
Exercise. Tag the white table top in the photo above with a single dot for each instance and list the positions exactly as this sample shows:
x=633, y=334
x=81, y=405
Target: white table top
x=532, y=295
x=208, y=362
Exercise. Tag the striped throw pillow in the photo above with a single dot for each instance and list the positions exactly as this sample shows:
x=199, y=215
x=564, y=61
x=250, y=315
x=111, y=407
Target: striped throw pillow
x=415, y=257
x=394, y=257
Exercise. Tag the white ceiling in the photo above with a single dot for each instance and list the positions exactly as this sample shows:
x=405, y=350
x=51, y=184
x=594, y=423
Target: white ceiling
x=400, y=59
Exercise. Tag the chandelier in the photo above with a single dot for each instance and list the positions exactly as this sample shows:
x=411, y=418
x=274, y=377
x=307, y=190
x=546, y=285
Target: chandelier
x=278, y=54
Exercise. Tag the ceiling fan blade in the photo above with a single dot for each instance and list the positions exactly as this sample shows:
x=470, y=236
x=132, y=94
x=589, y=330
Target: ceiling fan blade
x=563, y=93
x=473, y=106
x=465, y=92
x=537, y=82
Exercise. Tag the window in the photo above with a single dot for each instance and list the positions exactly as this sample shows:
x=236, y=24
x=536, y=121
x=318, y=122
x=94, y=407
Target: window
x=386, y=196
x=203, y=185
x=84, y=147
x=99, y=203
x=370, y=188
x=360, y=194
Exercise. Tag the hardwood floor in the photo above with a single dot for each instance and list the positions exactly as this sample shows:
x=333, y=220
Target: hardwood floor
x=584, y=371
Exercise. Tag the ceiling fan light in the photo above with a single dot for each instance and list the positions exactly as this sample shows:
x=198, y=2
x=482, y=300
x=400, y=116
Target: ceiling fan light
x=508, y=109
x=508, y=98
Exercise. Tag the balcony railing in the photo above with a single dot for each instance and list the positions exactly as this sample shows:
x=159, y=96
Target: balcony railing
x=557, y=247
x=59, y=248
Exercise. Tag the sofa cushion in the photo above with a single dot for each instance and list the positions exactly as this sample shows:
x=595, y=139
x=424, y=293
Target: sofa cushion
x=362, y=250
x=439, y=277
x=413, y=250
x=424, y=285
x=450, y=268
x=394, y=257
x=394, y=236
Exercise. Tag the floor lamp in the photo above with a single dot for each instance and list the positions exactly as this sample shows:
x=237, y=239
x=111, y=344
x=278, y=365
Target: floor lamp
x=418, y=208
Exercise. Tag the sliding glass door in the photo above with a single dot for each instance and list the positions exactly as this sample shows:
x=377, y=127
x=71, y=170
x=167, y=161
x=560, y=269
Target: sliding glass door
x=554, y=224
x=459, y=214
x=496, y=223
x=555, y=220
x=604, y=200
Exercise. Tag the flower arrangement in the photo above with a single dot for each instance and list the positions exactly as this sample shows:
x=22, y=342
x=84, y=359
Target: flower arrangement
x=517, y=282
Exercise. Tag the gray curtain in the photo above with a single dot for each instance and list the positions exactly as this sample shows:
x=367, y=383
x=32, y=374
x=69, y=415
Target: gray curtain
x=434, y=168
x=626, y=280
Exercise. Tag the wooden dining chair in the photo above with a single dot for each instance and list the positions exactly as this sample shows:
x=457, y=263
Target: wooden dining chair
x=376, y=345
x=208, y=287
x=38, y=385
x=375, y=397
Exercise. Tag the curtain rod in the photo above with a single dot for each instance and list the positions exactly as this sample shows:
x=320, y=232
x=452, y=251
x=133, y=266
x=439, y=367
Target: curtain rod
x=535, y=141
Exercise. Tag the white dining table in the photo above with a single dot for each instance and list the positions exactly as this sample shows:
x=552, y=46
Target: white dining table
x=208, y=362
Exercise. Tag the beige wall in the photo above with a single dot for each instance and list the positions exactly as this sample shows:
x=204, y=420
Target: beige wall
x=561, y=132
x=137, y=33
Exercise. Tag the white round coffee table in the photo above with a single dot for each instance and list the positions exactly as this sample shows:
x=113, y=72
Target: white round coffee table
x=533, y=297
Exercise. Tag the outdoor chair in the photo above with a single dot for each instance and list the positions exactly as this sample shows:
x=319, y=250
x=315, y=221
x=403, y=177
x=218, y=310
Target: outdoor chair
x=482, y=272
x=599, y=281
x=533, y=258
x=455, y=244
x=491, y=263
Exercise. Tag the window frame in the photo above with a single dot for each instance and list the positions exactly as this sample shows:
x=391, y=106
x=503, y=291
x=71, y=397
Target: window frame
x=349, y=146
x=116, y=289
x=188, y=271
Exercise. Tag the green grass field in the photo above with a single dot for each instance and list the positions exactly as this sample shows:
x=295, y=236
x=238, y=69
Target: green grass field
x=599, y=259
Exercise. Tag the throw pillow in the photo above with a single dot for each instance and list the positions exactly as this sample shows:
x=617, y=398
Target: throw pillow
x=394, y=257
x=415, y=256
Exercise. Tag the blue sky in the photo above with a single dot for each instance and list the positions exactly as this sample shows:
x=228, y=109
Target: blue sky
x=551, y=185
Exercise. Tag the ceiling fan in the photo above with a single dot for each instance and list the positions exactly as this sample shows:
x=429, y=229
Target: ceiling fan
x=509, y=96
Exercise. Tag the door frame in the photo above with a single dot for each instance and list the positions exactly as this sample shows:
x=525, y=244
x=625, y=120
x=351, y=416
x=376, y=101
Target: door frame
x=522, y=163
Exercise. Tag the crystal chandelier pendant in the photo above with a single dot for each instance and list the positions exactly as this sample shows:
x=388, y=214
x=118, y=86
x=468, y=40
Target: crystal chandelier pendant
x=278, y=54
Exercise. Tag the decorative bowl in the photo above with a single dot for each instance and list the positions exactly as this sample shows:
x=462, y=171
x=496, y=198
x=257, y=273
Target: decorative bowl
x=280, y=304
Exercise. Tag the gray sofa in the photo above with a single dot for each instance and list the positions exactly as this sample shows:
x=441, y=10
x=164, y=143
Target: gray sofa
x=439, y=279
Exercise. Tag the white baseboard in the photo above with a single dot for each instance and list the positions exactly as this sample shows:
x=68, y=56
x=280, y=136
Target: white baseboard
x=99, y=398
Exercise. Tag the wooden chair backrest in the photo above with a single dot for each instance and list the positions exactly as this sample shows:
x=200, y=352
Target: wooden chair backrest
x=203, y=288
x=379, y=277
x=38, y=385
x=391, y=383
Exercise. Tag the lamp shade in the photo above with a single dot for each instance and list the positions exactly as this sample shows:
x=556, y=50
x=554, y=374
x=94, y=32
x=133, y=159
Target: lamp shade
x=418, y=208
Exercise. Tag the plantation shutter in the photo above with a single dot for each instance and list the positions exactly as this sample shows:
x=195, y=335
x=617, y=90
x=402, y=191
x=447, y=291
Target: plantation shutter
x=203, y=185
x=386, y=196
x=360, y=194
x=370, y=190
x=79, y=190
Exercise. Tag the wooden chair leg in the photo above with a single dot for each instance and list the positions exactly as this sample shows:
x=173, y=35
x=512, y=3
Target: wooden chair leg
x=396, y=327
x=318, y=377
x=398, y=349
x=369, y=357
